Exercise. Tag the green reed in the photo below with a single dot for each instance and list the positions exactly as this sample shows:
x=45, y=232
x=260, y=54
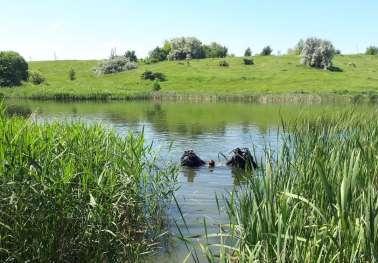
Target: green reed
x=77, y=193
x=315, y=200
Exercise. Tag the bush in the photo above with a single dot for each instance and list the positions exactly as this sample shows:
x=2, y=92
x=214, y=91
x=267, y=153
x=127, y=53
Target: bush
x=130, y=54
x=223, y=63
x=149, y=75
x=114, y=65
x=372, y=50
x=13, y=69
x=267, y=51
x=317, y=53
x=156, y=85
x=248, y=52
x=181, y=47
x=248, y=61
x=72, y=74
x=158, y=54
x=36, y=77
x=215, y=50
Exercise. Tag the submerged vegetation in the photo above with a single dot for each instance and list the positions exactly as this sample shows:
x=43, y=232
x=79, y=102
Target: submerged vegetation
x=76, y=193
x=315, y=200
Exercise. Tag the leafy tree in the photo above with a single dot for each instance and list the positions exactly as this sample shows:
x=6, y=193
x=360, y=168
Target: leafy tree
x=372, y=50
x=248, y=52
x=215, y=50
x=267, y=51
x=317, y=53
x=130, y=54
x=182, y=46
x=13, y=69
x=158, y=54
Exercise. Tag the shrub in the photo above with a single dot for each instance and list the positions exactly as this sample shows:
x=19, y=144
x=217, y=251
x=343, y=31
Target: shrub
x=317, y=53
x=72, y=74
x=13, y=69
x=248, y=52
x=149, y=75
x=267, y=51
x=248, y=61
x=158, y=54
x=338, y=52
x=372, y=50
x=223, y=63
x=156, y=85
x=130, y=54
x=114, y=65
x=36, y=77
x=182, y=46
x=215, y=50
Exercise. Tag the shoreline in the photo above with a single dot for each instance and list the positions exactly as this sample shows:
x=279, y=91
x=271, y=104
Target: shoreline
x=297, y=98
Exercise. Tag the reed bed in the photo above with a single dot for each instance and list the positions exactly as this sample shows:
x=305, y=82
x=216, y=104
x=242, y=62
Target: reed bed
x=314, y=200
x=77, y=193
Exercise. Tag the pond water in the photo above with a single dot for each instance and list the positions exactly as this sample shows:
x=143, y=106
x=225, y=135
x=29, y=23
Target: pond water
x=207, y=128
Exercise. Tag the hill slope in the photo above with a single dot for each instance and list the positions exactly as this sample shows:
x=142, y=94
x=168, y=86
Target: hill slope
x=269, y=75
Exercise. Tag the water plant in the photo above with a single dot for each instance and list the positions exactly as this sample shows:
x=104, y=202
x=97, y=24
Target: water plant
x=78, y=193
x=315, y=200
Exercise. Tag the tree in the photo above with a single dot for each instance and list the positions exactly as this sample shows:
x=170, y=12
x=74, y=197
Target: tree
x=248, y=52
x=215, y=50
x=130, y=54
x=158, y=54
x=372, y=50
x=317, y=53
x=13, y=69
x=181, y=46
x=267, y=51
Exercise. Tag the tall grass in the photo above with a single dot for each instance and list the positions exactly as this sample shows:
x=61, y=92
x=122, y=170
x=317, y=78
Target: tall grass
x=315, y=200
x=73, y=193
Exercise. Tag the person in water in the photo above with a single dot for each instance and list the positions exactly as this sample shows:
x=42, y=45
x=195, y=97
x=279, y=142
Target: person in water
x=211, y=163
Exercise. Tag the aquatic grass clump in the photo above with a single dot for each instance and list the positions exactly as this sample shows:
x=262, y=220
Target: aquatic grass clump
x=76, y=193
x=316, y=200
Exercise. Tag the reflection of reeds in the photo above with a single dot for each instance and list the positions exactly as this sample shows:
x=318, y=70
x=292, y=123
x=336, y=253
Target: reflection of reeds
x=315, y=200
x=73, y=193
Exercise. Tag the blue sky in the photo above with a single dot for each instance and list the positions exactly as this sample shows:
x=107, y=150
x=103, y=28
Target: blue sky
x=85, y=29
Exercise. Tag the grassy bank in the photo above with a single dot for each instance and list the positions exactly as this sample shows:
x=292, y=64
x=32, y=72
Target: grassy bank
x=316, y=200
x=270, y=76
x=72, y=193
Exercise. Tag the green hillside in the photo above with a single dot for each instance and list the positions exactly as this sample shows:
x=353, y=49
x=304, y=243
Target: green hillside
x=269, y=75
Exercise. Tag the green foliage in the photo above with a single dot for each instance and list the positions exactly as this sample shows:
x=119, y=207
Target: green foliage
x=115, y=64
x=131, y=56
x=182, y=46
x=215, y=50
x=36, y=77
x=149, y=75
x=315, y=197
x=158, y=54
x=223, y=63
x=248, y=52
x=71, y=74
x=372, y=50
x=73, y=193
x=13, y=69
x=267, y=51
x=317, y=53
x=156, y=85
x=248, y=61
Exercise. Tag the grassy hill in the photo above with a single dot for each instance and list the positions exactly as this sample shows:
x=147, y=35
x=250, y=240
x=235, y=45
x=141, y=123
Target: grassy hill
x=269, y=75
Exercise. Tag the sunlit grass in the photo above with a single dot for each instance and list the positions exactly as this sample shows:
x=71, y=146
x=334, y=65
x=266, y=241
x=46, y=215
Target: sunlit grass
x=269, y=75
x=76, y=193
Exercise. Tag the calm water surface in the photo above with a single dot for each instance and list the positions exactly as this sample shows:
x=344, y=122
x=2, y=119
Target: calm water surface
x=207, y=128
